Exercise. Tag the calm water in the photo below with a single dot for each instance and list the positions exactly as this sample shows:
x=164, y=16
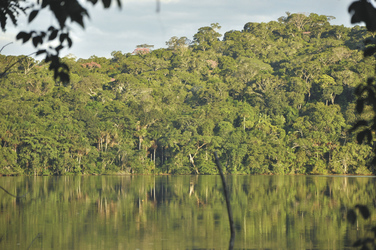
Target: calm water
x=182, y=212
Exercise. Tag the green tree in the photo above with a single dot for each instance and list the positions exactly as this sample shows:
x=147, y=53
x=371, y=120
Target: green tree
x=207, y=37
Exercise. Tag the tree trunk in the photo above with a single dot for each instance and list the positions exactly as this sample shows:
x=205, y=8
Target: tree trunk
x=193, y=163
x=139, y=142
x=154, y=155
x=333, y=96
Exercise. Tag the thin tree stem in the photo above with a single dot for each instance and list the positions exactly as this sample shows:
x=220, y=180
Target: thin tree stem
x=229, y=211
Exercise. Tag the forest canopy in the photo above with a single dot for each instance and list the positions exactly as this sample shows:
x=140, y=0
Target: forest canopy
x=273, y=98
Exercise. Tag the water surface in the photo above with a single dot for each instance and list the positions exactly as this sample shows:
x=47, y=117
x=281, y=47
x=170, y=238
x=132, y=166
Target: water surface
x=182, y=212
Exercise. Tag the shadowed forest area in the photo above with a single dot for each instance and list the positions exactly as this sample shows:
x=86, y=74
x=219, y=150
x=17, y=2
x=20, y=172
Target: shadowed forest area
x=274, y=98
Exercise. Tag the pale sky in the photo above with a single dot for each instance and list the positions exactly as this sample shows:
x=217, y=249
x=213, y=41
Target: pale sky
x=138, y=22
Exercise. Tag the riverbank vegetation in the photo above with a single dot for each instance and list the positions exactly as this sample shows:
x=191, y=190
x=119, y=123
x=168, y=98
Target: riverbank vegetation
x=274, y=98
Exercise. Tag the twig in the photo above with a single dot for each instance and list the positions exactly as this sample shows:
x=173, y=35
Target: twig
x=9, y=67
x=229, y=211
x=5, y=46
x=38, y=235
x=15, y=196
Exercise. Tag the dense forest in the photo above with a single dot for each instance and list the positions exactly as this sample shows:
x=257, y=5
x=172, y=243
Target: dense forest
x=274, y=98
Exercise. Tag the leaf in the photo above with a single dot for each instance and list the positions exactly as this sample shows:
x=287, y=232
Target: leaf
x=369, y=41
x=58, y=48
x=64, y=77
x=69, y=42
x=62, y=37
x=370, y=81
x=78, y=18
x=363, y=11
x=359, y=105
x=360, y=136
x=44, y=3
x=32, y=15
x=41, y=51
x=369, y=51
x=21, y=35
x=373, y=162
x=364, y=247
x=351, y=216
x=24, y=36
x=358, y=243
x=106, y=3
x=363, y=211
x=53, y=35
x=37, y=40
x=47, y=59
x=359, y=90
x=371, y=94
x=361, y=123
x=64, y=66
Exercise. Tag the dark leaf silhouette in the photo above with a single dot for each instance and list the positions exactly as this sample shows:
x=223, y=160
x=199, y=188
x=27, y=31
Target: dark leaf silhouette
x=363, y=11
x=106, y=3
x=358, y=243
x=24, y=36
x=369, y=51
x=359, y=105
x=351, y=216
x=370, y=81
x=39, y=52
x=369, y=136
x=53, y=35
x=37, y=40
x=69, y=42
x=364, y=248
x=32, y=15
x=363, y=211
x=359, y=90
x=360, y=136
x=361, y=123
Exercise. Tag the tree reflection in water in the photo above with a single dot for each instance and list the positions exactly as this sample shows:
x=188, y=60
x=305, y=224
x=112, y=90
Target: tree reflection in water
x=171, y=212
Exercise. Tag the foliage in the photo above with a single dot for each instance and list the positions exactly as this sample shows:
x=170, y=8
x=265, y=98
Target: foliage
x=364, y=11
x=270, y=99
x=63, y=11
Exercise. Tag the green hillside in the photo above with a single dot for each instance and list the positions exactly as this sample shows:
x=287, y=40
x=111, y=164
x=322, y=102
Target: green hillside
x=274, y=98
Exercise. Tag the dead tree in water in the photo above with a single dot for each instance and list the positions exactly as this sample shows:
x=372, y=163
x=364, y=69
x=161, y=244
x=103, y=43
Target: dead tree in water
x=229, y=211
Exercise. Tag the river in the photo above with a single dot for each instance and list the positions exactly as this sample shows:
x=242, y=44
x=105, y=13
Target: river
x=183, y=212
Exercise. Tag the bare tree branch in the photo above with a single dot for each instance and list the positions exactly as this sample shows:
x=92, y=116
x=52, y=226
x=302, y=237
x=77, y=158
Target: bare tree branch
x=5, y=46
x=22, y=196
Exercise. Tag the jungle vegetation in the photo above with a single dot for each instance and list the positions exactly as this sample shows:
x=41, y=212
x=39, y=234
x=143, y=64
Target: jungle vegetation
x=273, y=98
